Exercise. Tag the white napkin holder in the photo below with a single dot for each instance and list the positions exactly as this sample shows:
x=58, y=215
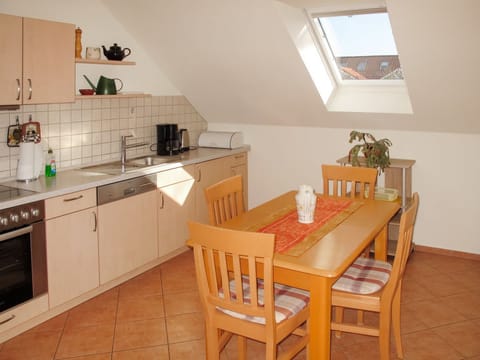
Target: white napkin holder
x=306, y=201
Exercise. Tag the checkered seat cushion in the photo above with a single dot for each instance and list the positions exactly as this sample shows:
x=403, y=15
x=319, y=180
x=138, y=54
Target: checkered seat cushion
x=288, y=300
x=364, y=276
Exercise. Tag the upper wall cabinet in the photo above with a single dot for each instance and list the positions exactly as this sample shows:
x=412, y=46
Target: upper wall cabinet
x=46, y=52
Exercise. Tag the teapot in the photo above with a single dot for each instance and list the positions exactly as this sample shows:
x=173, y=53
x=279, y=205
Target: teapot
x=116, y=52
x=105, y=86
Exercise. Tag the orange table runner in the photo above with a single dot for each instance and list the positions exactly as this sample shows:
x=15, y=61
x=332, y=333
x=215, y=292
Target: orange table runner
x=294, y=238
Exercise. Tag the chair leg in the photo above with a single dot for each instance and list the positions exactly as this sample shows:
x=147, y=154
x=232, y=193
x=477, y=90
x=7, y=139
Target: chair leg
x=396, y=321
x=338, y=319
x=211, y=339
x=360, y=317
x=271, y=350
x=242, y=347
x=384, y=337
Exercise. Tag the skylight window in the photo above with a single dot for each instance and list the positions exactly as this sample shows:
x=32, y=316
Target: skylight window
x=361, y=45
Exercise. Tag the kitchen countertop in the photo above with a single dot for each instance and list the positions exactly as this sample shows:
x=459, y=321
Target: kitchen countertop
x=72, y=180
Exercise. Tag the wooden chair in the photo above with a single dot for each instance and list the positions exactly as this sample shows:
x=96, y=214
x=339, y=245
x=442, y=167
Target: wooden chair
x=235, y=279
x=372, y=285
x=225, y=200
x=339, y=181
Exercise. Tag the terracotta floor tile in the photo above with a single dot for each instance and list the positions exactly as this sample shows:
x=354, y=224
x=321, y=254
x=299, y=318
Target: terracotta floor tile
x=463, y=337
x=185, y=327
x=154, y=353
x=188, y=350
x=148, y=283
x=443, y=285
x=99, y=310
x=412, y=290
x=182, y=303
x=141, y=308
x=139, y=334
x=433, y=313
x=35, y=345
x=467, y=304
x=87, y=340
x=54, y=324
x=179, y=282
x=105, y=356
x=426, y=345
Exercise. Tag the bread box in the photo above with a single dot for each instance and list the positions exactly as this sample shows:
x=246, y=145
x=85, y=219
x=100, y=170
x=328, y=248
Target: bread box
x=221, y=139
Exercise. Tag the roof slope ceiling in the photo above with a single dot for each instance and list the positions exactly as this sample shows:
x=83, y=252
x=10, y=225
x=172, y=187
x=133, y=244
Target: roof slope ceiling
x=235, y=62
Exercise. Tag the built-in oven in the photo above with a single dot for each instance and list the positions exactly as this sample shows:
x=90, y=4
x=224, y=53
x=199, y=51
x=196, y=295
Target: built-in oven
x=23, y=264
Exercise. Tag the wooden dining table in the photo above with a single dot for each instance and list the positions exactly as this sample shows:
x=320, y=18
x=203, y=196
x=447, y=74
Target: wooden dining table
x=319, y=266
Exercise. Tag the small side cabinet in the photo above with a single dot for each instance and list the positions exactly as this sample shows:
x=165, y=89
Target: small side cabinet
x=397, y=176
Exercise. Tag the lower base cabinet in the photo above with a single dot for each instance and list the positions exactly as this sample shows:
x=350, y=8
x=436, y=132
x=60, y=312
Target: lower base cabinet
x=72, y=255
x=127, y=235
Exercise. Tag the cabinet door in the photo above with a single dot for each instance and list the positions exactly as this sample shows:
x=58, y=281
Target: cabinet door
x=48, y=62
x=11, y=68
x=207, y=173
x=72, y=255
x=176, y=206
x=127, y=231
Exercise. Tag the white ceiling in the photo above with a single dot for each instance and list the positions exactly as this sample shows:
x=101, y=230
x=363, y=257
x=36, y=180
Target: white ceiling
x=235, y=61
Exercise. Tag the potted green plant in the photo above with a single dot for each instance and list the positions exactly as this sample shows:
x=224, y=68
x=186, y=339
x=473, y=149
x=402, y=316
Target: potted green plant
x=376, y=152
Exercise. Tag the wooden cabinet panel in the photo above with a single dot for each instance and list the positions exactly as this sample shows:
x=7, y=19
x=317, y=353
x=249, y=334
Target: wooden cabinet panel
x=48, y=61
x=46, y=52
x=72, y=255
x=127, y=231
x=11, y=68
x=176, y=206
x=66, y=204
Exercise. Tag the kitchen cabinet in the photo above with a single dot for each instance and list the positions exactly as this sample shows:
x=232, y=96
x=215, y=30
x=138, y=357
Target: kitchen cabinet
x=238, y=165
x=176, y=206
x=127, y=231
x=72, y=245
x=38, y=61
x=209, y=172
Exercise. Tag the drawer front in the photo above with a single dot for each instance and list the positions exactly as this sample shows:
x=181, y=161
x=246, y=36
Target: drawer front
x=238, y=159
x=174, y=176
x=23, y=312
x=69, y=203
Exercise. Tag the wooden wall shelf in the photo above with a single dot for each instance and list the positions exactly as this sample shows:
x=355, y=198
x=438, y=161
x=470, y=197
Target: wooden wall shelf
x=92, y=97
x=104, y=62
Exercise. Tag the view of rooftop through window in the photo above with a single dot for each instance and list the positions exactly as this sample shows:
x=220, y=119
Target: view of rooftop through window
x=362, y=45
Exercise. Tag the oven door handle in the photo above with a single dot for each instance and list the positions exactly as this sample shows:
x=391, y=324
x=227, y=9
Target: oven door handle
x=15, y=233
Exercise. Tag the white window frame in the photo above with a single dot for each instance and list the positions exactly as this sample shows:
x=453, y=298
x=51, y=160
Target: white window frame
x=375, y=96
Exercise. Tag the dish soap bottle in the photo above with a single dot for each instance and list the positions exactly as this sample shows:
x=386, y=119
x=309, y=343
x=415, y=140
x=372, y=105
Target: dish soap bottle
x=50, y=166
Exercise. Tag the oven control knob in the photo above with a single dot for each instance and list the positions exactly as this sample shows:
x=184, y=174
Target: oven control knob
x=14, y=218
x=3, y=221
x=25, y=215
x=35, y=212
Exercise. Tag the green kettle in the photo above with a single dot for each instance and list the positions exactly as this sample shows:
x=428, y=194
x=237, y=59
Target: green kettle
x=105, y=86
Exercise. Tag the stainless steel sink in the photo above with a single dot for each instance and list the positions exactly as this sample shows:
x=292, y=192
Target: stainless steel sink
x=115, y=167
x=148, y=161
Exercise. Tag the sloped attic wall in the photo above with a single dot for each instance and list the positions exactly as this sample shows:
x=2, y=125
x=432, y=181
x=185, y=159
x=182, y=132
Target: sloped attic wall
x=235, y=62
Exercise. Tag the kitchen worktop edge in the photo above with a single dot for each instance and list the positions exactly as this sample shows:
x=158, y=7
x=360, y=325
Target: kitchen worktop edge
x=73, y=180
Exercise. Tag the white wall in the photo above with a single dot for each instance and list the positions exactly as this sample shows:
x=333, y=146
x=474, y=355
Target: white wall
x=445, y=174
x=99, y=27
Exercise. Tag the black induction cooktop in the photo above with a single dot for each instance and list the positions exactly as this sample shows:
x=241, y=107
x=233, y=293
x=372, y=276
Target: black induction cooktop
x=11, y=193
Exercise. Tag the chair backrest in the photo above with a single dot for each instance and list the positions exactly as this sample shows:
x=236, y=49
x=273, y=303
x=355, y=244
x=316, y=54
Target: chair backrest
x=404, y=244
x=349, y=181
x=225, y=200
x=222, y=255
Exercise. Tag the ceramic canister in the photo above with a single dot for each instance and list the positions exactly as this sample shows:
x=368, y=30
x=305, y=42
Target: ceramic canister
x=306, y=201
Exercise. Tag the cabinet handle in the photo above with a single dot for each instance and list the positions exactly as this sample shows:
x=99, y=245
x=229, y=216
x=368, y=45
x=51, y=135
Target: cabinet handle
x=18, y=89
x=162, y=204
x=199, y=175
x=74, y=198
x=7, y=320
x=94, y=221
x=29, y=89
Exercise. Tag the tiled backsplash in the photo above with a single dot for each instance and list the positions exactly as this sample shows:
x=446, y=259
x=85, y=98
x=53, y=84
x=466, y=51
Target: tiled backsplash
x=88, y=131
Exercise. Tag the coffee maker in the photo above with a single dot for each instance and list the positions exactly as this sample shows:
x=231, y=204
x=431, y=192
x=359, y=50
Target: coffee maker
x=168, y=142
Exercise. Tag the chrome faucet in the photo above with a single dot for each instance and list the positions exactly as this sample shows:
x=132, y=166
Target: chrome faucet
x=124, y=147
